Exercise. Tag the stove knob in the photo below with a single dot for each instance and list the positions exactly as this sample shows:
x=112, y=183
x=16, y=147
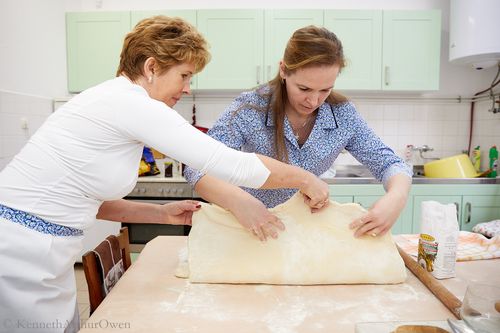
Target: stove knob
x=180, y=190
x=166, y=191
x=161, y=190
x=142, y=190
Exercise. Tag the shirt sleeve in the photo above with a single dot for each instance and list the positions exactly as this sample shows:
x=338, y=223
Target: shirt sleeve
x=160, y=127
x=225, y=130
x=369, y=149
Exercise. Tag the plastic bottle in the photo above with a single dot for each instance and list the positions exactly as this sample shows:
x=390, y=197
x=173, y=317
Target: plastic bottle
x=476, y=159
x=493, y=162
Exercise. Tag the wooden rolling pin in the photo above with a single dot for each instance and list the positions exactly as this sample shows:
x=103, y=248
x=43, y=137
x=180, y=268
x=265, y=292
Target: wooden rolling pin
x=448, y=299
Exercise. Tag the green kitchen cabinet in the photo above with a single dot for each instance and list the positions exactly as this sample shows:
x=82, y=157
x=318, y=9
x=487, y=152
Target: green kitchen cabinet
x=342, y=198
x=94, y=42
x=366, y=195
x=280, y=25
x=411, y=50
x=237, y=48
x=444, y=199
x=388, y=50
x=479, y=208
x=475, y=203
x=186, y=14
x=360, y=32
x=403, y=224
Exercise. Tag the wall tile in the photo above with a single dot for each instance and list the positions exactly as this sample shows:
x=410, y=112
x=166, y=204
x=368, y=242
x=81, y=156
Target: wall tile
x=390, y=127
x=450, y=127
x=443, y=126
x=12, y=145
x=391, y=112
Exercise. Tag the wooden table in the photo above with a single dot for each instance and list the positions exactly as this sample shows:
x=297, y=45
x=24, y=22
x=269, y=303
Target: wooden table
x=149, y=298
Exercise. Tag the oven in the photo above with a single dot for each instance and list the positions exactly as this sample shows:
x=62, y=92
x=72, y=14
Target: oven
x=157, y=191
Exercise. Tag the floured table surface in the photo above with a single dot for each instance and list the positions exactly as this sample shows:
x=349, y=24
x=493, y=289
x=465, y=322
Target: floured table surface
x=149, y=298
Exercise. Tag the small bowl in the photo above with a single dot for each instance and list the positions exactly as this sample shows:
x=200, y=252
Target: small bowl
x=458, y=166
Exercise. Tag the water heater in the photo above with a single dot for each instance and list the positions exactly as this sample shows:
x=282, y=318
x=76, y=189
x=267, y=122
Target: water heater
x=475, y=32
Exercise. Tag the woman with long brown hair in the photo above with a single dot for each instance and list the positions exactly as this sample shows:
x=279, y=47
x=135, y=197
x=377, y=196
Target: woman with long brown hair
x=299, y=119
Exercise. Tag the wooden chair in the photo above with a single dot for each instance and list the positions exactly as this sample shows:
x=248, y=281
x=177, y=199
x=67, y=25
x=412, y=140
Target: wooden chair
x=93, y=270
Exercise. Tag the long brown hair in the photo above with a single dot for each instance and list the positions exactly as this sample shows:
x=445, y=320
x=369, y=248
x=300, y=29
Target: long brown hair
x=308, y=47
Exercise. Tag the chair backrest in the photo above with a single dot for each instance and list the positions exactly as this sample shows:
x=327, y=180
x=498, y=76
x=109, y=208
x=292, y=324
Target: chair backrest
x=94, y=271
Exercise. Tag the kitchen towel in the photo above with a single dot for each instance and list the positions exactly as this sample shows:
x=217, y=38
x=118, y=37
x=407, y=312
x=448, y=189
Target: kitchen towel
x=471, y=245
x=489, y=229
x=110, y=258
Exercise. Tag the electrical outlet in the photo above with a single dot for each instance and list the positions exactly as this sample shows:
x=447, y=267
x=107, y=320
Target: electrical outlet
x=24, y=123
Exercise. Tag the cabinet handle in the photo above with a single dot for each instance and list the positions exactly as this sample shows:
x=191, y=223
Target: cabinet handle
x=468, y=208
x=457, y=206
x=258, y=74
x=268, y=72
x=386, y=75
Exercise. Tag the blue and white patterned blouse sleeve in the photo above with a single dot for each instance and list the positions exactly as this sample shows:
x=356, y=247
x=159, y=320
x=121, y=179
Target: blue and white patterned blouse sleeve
x=369, y=149
x=226, y=130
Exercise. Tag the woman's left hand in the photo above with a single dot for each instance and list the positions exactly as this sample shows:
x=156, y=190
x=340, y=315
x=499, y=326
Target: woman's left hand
x=385, y=211
x=380, y=217
x=179, y=212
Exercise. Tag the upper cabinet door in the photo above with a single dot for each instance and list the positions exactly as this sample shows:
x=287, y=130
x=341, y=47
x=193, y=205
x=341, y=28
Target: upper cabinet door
x=94, y=42
x=188, y=15
x=236, y=45
x=411, y=50
x=280, y=25
x=360, y=32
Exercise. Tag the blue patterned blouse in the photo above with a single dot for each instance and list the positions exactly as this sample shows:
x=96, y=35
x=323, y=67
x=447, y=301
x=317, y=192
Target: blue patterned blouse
x=337, y=127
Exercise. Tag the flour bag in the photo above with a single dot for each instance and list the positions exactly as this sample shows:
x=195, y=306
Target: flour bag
x=437, y=245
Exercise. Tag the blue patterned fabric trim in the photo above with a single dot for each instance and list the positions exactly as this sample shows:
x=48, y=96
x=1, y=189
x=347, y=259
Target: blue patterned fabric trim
x=36, y=223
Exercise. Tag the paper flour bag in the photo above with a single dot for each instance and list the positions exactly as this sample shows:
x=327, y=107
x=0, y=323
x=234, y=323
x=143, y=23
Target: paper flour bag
x=437, y=246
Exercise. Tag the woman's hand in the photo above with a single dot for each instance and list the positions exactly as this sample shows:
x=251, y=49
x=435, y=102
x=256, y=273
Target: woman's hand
x=179, y=212
x=315, y=192
x=254, y=216
x=385, y=211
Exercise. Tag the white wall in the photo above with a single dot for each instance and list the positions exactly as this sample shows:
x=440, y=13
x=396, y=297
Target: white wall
x=33, y=62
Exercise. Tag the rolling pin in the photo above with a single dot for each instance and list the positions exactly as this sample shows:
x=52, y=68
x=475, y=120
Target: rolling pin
x=448, y=299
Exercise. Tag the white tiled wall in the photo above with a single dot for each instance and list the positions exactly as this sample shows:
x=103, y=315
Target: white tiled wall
x=14, y=108
x=442, y=126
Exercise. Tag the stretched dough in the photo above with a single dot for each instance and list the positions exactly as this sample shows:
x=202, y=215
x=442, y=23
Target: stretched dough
x=315, y=248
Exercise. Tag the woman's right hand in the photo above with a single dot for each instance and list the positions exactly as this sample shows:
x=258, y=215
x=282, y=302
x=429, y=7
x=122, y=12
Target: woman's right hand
x=315, y=192
x=254, y=216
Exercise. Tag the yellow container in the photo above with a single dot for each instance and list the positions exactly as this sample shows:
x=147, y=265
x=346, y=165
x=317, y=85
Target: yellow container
x=458, y=166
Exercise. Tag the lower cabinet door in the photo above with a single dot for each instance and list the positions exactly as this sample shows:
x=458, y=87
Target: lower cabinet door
x=479, y=208
x=444, y=199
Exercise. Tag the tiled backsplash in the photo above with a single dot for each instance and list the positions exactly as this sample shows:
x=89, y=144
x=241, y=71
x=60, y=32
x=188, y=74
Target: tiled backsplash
x=443, y=126
x=16, y=109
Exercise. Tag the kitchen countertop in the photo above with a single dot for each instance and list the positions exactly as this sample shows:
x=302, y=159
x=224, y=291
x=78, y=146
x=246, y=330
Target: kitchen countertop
x=149, y=298
x=350, y=180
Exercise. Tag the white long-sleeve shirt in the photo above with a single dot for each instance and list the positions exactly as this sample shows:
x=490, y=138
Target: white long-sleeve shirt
x=88, y=151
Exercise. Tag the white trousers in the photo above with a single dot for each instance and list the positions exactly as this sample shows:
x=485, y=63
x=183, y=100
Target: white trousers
x=37, y=282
